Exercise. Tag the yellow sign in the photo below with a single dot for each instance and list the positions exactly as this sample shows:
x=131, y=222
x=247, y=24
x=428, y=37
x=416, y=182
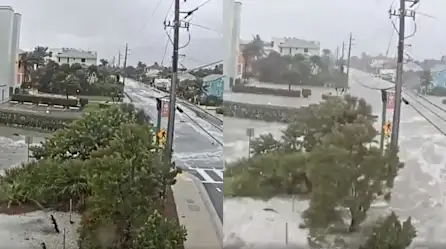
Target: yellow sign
x=162, y=134
x=388, y=129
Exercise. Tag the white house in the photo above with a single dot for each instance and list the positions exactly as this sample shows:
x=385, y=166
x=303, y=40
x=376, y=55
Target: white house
x=293, y=46
x=73, y=56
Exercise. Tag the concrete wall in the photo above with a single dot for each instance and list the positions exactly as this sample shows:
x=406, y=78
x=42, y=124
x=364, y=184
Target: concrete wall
x=15, y=43
x=6, y=32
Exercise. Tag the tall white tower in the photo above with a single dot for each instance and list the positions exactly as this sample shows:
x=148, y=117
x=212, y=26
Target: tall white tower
x=228, y=9
x=235, y=42
x=6, y=30
x=14, y=50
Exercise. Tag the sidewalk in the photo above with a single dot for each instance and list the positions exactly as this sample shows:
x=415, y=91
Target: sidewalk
x=196, y=213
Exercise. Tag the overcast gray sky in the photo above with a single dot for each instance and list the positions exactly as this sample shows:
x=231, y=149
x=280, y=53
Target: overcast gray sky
x=105, y=26
x=330, y=22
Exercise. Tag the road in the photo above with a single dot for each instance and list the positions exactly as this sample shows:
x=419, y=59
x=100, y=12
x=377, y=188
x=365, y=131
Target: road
x=419, y=191
x=195, y=150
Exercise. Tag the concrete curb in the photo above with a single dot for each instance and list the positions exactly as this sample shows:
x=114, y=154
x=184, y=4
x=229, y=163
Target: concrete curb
x=210, y=207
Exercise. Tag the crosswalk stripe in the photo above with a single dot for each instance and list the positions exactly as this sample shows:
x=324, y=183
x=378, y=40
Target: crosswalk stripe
x=203, y=173
x=219, y=173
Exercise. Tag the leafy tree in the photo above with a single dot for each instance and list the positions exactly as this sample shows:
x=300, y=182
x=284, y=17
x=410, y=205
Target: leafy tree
x=329, y=156
x=391, y=233
x=83, y=136
x=103, y=62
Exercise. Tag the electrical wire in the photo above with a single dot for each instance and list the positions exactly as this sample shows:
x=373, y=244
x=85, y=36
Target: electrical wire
x=202, y=128
x=416, y=109
x=206, y=28
x=423, y=105
x=427, y=119
x=151, y=16
x=430, y=102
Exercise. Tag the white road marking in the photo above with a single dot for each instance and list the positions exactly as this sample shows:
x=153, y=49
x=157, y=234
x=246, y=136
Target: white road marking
x=218, y=189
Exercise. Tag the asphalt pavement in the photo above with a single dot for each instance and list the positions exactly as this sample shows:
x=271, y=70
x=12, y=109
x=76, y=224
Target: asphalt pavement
x=196, y=149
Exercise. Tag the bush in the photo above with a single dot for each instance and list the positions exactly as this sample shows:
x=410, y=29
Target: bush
x=267, y=91
x=263, y=112
x=212, y=101
x=306, y=93
x=26, y=98
x=35, y=121
x=110, y=166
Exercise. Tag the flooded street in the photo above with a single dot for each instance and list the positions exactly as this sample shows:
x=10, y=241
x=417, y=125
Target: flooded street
x=13, y=148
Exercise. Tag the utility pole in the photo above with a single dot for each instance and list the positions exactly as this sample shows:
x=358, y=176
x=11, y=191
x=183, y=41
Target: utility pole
x=113, y=61
x=402, y=13
x=337, y=53
x=349, y=54
x=176, y=25
x=125, y=60
x=341, y=67
x=119, y=59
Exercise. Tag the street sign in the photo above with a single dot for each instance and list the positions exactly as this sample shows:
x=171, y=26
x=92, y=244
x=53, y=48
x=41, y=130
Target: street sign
x=165, y=109
x=250, y=132
x=28, y=140
x=162, y=135
x=390, y=100
x=388, y=128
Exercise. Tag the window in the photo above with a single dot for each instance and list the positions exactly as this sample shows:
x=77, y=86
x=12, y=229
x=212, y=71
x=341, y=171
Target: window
x=305, y=50
x=83, y=60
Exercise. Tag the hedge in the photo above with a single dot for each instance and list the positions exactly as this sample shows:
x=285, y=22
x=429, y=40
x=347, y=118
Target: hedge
x=49, y=100
x=34, y=121
x=263, y=112
x=267, y=91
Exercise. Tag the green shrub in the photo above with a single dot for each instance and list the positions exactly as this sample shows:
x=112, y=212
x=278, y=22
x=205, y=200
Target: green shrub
x=267, y=91
x=48, y=100
x=35, y=121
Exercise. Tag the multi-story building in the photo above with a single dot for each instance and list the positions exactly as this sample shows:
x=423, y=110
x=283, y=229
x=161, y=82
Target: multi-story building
x=9, y=43
x=292, y=46
x=73, y=56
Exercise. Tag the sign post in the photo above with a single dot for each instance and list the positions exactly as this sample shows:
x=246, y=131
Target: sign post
x=250, y=134
x=28, y=141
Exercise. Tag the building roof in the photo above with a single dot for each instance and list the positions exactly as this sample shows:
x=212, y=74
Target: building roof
x=212, y=77
x=298, y=43
x=74, y=53
x=438, y=68
x=412, y=66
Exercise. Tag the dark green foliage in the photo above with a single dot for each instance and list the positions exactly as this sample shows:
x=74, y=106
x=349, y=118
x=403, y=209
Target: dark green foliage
x=268, y=91
x=41, y=121
x=108, y=163
x=35, y=99
x=391, y=234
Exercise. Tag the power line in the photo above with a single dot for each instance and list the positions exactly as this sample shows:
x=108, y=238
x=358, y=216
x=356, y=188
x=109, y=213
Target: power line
x=426, y=118
x=191, y=12
x=430, y=110
x=430, y=102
